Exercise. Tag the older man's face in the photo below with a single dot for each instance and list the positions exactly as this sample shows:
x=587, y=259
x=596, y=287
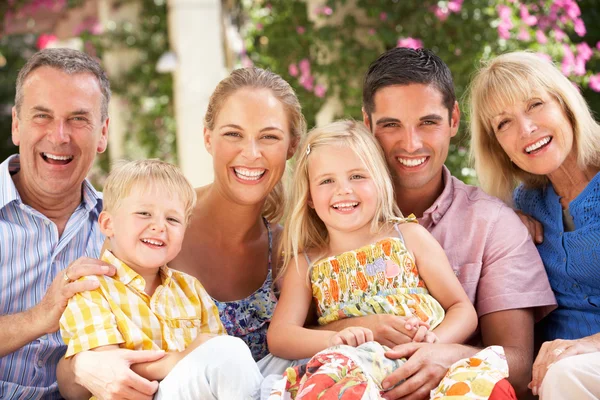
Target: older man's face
x=58, y=130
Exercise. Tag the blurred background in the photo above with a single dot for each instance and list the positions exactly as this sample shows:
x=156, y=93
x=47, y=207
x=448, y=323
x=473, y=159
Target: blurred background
x=165, y=57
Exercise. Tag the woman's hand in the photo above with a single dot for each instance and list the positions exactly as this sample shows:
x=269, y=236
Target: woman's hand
x=553, y=351
x=353, y=336
x=535, y=228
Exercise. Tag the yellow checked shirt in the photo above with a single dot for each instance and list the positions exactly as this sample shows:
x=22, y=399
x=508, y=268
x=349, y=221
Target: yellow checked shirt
x=120, y=312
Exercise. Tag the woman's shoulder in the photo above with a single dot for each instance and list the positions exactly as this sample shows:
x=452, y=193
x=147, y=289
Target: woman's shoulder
x=528, y=199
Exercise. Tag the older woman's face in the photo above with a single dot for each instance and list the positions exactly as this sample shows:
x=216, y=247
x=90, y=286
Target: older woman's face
x=536, y=133
x=250, y=144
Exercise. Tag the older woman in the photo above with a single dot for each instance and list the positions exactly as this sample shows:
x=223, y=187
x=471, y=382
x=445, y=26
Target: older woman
x=535, y=142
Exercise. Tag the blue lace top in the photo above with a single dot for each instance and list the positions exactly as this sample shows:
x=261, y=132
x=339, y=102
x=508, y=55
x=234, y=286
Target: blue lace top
x=571, y=258
x=249, y=318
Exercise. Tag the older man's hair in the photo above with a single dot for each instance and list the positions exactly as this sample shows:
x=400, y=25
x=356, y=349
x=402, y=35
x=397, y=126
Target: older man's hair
x=68, y=61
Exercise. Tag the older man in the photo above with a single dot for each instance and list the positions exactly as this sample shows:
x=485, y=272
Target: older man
x=49, y=234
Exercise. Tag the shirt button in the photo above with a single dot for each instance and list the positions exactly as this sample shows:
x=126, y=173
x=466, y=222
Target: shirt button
x=564, y=260
x=47, y=222
x=44, y=337
x=40, y=363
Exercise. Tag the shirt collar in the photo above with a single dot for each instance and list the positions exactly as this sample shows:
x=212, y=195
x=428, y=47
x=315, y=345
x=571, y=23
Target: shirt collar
x=434, y=214
x=127, y=276
x=91, y=198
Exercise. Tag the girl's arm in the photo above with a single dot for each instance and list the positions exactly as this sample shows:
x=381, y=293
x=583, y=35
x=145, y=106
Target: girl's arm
x=287, y=338
x=460, y=321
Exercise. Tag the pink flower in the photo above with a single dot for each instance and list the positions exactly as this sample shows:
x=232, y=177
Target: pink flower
x=559, y=35
x=598, y=45
x=259, y=27
x=595, y=83
x=441, y=13
x=544, y=56
x=524, y=35
x=584, y=51
x=455, y=5
x=45, y=40
x=529, y=20
x=304, y=65
x=503, y=31
x=383, y=16
x=579, y=27
x=573, y=10
x=568, y=61
x=410, y=43
x=504, y=12
x=307, y=82
x=320, y=91
x=300, y=30
x=327, y=10
x=293, y=70
x=371, y=31
x=579, y=67
x=540, y=36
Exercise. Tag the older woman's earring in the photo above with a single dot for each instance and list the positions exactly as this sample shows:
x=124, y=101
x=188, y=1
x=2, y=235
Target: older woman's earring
x=308, y=149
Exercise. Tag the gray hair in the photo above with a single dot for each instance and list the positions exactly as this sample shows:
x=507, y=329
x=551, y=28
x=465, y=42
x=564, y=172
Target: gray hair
x=69, y=61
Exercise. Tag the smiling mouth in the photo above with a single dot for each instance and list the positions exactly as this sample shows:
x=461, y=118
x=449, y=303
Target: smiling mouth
x=56, y=159
x=247, y=174
x=154, y=242
x=540, y=144
x=411, y=162
x=346, y=206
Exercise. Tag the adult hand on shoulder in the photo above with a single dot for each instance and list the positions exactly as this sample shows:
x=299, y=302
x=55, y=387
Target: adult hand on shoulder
x=108, y=376
x=392, y=330
x=423, y=371
x=556, y=350
x=48, y=311
x=535, y=228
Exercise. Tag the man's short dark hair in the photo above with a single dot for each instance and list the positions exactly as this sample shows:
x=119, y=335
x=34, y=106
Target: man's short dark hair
x=404, y=66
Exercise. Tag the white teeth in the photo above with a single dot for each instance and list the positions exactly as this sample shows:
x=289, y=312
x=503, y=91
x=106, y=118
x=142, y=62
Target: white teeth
x=537, y=144
x=411, y=162
x=153, y=242
x=249, y=174
x=345, y=205
x=58, y=158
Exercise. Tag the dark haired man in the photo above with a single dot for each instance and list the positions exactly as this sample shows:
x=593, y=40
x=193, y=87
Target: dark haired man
x=410, y=106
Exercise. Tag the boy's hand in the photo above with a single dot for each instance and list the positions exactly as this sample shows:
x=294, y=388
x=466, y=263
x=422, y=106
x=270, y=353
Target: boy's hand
x=353, y=336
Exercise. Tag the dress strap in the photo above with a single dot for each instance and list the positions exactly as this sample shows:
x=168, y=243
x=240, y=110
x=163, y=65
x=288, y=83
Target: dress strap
x=268, y=225
x=306, y=257
x=399, y=233
x=410, y=218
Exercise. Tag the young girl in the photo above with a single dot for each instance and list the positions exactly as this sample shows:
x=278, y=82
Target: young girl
x=345, y=233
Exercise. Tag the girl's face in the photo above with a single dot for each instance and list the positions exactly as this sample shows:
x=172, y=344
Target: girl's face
x=250, y=145
x=536, y=133
x=342, y=191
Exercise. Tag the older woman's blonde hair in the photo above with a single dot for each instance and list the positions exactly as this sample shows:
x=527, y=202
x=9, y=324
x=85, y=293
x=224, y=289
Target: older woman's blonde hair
x=304, y=230
x=506, y=80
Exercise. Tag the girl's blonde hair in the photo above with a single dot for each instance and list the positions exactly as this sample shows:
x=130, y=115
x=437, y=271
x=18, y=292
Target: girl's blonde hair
x=257, y=78
x=147, y=175
x=506, y=80
x=304, y=229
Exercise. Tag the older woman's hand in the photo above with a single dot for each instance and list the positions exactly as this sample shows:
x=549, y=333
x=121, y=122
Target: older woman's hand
x=553, y=351
x=535, y=228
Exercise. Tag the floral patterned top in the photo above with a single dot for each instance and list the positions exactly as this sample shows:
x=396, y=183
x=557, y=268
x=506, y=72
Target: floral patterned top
x=249, y=318
x=379, y=278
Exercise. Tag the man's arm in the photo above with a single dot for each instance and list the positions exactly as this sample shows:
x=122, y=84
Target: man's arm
x=513, y=330
x=16, y=330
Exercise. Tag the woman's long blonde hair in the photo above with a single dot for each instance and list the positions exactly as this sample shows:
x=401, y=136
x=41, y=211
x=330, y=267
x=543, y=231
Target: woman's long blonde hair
x=257, y=78
x=304, y=230
x=506, y=80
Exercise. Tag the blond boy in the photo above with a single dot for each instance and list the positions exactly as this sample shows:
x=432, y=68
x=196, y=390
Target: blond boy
x=146, y=305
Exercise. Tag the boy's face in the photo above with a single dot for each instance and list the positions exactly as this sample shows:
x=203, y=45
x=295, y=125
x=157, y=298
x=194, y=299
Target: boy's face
x=146, y=229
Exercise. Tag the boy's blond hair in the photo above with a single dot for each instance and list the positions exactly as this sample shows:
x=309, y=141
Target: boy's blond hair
x=147, y=174
x=304, y=230
x=504, y=81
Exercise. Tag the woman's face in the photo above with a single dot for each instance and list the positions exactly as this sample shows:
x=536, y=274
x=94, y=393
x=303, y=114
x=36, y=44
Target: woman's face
x=250, y=144
x=536, y=133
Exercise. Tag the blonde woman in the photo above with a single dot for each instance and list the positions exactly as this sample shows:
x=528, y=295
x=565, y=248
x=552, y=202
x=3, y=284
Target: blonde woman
x=347, y=248
x=536, y=145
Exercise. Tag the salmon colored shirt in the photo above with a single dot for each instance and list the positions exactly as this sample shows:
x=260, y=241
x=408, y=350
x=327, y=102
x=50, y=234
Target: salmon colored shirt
x=490, y=250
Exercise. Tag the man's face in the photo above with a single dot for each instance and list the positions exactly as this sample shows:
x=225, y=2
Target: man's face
x=58, y=130
x=411, y=124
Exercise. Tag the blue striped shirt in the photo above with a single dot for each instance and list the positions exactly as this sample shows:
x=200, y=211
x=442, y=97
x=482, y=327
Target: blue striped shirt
x=31, y=255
